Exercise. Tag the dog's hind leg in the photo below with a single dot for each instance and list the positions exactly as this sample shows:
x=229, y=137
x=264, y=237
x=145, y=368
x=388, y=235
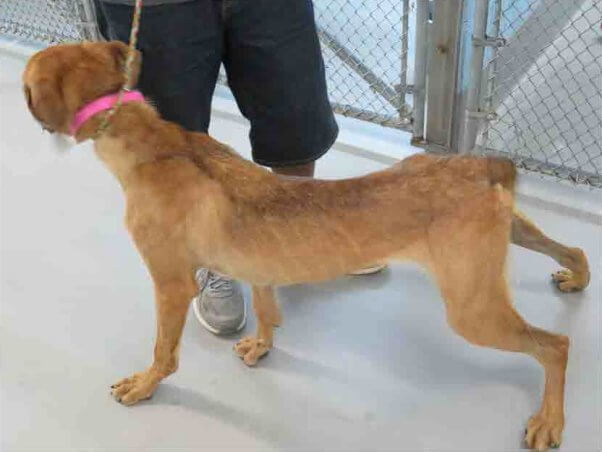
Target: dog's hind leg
x=174, y=289
x=489, y=320
x=251, y=348
x=576, y=274
x=469, y=266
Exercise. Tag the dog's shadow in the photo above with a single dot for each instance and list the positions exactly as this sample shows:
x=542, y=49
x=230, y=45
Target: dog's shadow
x=255, y=426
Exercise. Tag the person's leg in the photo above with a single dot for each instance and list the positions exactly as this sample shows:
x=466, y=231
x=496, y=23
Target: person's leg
x=305, y=170
x=182, y=46
x=275, y=69
x=101, y=20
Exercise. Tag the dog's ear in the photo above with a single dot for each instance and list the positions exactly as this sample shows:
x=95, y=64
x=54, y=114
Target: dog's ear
x=46, y=103
x=118, y=51
x=119, y=54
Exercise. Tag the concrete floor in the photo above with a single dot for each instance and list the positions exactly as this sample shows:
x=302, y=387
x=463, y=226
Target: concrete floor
x=360, y=364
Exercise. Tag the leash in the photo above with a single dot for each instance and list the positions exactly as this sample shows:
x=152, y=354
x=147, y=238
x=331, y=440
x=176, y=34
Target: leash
x=128, y=69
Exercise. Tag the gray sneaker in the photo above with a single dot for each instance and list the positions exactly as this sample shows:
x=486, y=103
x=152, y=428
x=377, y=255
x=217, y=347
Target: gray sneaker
x=219, y=306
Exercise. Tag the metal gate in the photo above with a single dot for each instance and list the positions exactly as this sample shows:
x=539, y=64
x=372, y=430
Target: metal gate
x=535, y=86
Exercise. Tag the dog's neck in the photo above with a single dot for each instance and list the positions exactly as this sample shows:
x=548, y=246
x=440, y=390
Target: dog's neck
x=108, y=104
x=114, y=153
x=135, y=135
x=89, y=130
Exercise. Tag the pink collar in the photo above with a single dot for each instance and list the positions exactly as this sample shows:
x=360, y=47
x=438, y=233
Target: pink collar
x=102, y=104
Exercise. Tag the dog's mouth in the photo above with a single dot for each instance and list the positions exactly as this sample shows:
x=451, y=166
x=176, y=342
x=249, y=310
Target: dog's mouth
x=45, y=127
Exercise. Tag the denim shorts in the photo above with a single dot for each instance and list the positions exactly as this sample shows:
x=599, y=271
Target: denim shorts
x=271, y=53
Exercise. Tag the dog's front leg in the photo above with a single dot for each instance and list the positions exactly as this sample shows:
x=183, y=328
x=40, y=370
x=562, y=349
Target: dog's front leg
x=172, y=296
x=251, y=348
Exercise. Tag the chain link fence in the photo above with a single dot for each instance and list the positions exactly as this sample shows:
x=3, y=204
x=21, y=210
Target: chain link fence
x=368, y=51
x=541, y=91
x=47, y=21
x=365, y=44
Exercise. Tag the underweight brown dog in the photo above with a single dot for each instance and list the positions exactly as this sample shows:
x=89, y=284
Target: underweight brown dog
x=192, y=202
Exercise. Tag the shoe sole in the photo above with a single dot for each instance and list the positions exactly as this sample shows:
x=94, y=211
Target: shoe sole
x=212, y=329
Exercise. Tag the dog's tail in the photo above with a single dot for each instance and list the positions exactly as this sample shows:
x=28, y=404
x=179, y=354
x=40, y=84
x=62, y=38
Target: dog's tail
x=502, y=171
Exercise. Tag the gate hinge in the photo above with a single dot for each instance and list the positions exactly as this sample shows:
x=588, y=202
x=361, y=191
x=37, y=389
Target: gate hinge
x=488, y=41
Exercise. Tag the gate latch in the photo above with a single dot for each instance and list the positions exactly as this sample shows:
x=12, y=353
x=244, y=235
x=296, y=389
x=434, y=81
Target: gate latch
x=486, y=115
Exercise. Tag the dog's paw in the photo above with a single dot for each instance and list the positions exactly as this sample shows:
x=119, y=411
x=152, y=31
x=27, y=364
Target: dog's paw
x=567, y=281
x=139, y=386
x=544, y=432
x=250, y=349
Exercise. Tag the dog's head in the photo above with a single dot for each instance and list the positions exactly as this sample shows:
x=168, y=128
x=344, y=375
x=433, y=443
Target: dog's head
x=60, y=80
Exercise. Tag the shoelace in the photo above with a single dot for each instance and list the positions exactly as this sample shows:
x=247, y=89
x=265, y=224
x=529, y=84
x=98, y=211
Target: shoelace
x=217, y=285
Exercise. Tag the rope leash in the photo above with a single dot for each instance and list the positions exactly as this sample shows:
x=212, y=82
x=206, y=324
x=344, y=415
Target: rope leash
x=128, y=69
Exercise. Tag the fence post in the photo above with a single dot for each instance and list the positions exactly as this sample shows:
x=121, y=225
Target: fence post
x=491, y=74
x=473, y=116
x=420, y=70
x=402, y=89
x=443, y=60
